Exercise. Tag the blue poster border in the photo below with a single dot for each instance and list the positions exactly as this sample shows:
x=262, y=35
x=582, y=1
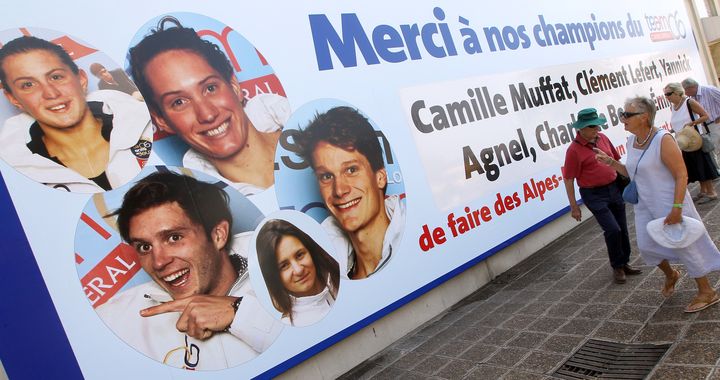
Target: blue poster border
x=33, y=343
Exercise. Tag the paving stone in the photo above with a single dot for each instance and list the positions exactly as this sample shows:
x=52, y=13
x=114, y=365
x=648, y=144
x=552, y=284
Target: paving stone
x=389, y=373
x=528, y=339
x=526, y=296
x=553, y=295
x=508, y=357
x=474, y=333
x=579, y=296
x=579, y=327
x=479, y=352
x=633, y=313
x=660, y=332
x=518, y=322
x=547, y=324
x=541, y=362
x=409, y=360
x=670, y=314
x=596, y=311
x=563, y=310
x=454, y=348
x=409, y=343
x=522, y=375
x=564, y=344
x=430, y=365
x=667, y=372
x=646, y=298
x=486, y=372
x=510, y=308
x=610, y=296
x=694, y=353
x=535, y=308
x=703, y=332
x=494, y=320
x=499, y=337
x=617, y=331
x=456, y=369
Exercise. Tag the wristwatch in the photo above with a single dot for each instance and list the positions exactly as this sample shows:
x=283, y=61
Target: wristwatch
x=235, y=305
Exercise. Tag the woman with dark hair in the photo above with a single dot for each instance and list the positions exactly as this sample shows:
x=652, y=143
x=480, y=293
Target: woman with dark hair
x=301, y=277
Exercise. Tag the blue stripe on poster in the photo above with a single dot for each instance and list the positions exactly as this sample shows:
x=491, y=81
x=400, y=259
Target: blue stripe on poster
x=33, y=343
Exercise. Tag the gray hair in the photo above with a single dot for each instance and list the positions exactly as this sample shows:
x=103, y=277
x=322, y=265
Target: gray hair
x=689, y=82
x=645, y=105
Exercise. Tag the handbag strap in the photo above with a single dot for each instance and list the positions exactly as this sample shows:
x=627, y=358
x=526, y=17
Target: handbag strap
x=692, y=117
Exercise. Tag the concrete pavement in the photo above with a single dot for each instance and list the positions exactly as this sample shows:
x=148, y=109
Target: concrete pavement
x=528, y=321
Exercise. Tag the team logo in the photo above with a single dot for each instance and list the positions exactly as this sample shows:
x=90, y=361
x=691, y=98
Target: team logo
x=142, y=149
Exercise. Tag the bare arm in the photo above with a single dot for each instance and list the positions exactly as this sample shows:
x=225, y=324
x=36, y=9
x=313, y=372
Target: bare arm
x=613, y=163
x=700, y=111
x=672, y=159
x=574, y=208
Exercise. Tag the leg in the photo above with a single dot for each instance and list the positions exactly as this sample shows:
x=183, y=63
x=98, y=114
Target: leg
x=705, y=297
x=618, y=211
x=598, y=201
x=671, y=278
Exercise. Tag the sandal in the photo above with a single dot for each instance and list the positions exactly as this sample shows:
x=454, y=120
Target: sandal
x=669, y=288
x=701, y=303
x=698, y=197
x=707, y=199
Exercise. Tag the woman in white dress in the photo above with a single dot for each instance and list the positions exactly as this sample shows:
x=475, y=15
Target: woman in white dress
x=661, y=180
x=302, y=278
x=699, y=165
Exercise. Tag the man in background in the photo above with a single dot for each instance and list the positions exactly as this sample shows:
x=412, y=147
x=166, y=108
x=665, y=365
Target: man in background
x=114, y=80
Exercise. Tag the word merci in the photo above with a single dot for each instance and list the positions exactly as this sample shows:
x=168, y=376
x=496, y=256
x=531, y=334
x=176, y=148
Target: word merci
x=472, y=219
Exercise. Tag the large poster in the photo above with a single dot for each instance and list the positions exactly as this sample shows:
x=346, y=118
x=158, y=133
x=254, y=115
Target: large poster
x=214, y=190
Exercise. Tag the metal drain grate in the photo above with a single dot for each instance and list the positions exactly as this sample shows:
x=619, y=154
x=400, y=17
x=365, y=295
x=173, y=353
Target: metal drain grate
x=598, y=359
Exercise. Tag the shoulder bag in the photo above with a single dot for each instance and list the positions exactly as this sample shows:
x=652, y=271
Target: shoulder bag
x=630, y=194
x=707, y=143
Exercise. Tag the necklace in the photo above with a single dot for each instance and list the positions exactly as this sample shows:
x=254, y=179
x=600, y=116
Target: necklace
x=646, y=138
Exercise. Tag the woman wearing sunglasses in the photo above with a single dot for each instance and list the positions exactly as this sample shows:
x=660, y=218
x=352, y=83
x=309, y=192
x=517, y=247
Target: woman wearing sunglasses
x=655, y=163
x=688, y=113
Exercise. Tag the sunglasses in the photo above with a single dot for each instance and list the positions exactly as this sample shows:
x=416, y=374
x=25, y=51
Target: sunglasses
x=668, y=94
x=627, y=115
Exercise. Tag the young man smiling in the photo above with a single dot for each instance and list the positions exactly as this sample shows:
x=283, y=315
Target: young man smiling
x=345, y=154
x=191, y=90
x=199, y=312
x=63, y=138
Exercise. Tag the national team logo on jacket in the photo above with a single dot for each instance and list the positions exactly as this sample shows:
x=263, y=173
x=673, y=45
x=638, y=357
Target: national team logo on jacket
x=142, y=149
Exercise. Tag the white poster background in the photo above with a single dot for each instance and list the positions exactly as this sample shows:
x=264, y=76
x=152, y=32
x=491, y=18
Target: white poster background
x=383, y=91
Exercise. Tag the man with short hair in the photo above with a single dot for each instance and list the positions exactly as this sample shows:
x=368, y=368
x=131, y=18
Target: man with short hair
x=199, y=312
x=114, y=80
x=63, y=138
x=709, y=99
x=598, y=189
x=343, y=151
x=191, y=91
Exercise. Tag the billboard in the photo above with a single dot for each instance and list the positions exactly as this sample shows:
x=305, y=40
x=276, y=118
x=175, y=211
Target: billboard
x=360, y=154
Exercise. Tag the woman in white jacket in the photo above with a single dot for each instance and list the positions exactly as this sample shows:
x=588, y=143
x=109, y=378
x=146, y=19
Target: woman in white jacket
x=301, y=277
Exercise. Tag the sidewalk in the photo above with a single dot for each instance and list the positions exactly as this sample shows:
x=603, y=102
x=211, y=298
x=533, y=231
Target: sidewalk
x=528, y=321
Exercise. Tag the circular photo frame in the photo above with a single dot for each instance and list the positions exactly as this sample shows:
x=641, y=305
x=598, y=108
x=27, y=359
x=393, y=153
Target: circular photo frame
x=338, y=167
x=63, y=125
x=164, y=263
x=215, y=100
x=293, y=271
